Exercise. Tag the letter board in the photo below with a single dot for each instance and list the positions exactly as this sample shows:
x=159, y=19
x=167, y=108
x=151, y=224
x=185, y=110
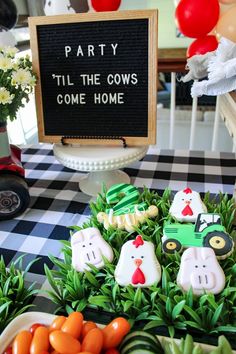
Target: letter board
x=96, y=76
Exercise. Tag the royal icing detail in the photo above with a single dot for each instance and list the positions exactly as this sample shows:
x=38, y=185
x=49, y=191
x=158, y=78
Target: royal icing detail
x=88, y=247
x=186, y=205
x=207, y=232
x=127, y=221
x=200, y=270
x=122, y=195
x=138, y=264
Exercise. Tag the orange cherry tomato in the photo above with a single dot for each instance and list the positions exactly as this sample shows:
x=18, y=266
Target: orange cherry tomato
x=114, y=332
x=34, y=327
x=112, y=351
x=57, y=323
x=64, y=343
x=40, y=341
x=73, y=324
x=8, y=351
x=93, y=341
x=87, y=326
x=22, y=342
x=85, y=353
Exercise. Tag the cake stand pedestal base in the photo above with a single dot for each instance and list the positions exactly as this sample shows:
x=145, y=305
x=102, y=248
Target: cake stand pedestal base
x=102, y=163
x=92, y=182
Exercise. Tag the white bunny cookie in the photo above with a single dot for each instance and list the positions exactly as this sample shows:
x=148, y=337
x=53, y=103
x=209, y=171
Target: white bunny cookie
x=138, y=264
x=88, y=246
x=200, y=270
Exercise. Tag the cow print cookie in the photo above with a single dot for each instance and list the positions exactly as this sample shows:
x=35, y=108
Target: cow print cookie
x=200, y=270
x=88, y=247
x=138, y=265
x=186, y=205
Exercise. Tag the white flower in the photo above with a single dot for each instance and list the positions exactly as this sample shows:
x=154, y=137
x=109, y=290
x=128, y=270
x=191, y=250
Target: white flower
x=11, y=51
x=5, y=63
x=15, y=66
x=5, y=96
x=32, y=81
x=21, y=77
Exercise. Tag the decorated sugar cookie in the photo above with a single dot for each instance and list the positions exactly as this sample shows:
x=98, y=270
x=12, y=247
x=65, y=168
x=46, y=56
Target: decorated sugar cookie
x=122, y=196
x=207, y=232
x=88, y=247
x=138, y=264
x=127, y=221
x=186, y=206
x=125, y=212
x=200, y=270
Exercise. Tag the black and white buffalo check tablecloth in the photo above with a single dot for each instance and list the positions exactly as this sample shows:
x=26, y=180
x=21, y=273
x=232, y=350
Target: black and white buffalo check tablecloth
x=57, y=202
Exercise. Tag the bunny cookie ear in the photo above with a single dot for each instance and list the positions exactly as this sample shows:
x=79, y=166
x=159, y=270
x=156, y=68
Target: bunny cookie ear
x=77, y=237
x=189, y=254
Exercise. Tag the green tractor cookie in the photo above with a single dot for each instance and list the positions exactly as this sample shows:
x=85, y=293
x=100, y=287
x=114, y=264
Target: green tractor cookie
x=207, y=232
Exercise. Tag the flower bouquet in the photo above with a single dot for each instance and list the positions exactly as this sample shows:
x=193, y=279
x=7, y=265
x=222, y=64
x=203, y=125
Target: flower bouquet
x=16, y=82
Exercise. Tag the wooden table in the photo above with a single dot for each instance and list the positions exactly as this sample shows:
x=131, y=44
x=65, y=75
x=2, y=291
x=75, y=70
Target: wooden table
x=172, y=60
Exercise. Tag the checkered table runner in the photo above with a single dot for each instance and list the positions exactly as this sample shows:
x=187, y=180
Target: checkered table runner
x=57, y=202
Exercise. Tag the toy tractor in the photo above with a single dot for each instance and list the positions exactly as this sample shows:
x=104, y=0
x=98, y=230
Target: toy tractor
x=14, y=195
x=207, y=232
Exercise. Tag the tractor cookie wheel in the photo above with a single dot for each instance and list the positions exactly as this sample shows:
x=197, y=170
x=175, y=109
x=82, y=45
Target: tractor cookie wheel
x=171, y=246
x=14, y=196
x=220, y=242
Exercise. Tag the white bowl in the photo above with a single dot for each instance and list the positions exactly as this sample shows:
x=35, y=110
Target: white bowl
x=20, y=323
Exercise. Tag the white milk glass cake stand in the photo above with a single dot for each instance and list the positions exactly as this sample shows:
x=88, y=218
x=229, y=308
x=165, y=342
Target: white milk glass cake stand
x=102, y=163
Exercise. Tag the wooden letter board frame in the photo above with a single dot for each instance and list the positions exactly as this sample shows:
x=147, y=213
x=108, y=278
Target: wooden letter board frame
x=151, y=16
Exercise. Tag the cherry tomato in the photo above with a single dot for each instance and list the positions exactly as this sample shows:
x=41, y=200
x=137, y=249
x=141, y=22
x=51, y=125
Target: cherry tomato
x=40, y=341
x=73, y=324
x=22, y=342
x=34, y=327
x=87, y=326
x=85, y=353
x=93, y=341
x=8, y=351
x=114, y=332
x=64, y=343
x=57, y=323
x=112, y=351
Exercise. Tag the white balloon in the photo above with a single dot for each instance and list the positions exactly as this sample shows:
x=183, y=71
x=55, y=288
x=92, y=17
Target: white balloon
x=53, y=7
x=59, y=7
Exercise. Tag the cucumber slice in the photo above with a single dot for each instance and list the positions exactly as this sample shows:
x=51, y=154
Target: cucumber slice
x=141, y=351
x=141, y=348
x=140, y=335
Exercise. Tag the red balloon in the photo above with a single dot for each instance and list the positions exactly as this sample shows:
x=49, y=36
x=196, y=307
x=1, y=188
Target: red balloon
x=202, y=46
x=196, y=18
x=105, y=5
